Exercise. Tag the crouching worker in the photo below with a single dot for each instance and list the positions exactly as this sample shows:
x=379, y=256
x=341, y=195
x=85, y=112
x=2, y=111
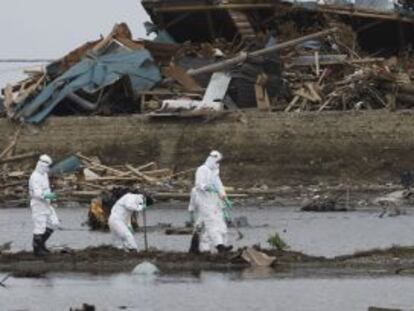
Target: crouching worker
x=120, y=219
x=43, y=214
x=207, y=201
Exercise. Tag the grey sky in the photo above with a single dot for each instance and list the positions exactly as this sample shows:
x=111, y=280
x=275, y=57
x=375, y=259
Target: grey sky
x=50, y=28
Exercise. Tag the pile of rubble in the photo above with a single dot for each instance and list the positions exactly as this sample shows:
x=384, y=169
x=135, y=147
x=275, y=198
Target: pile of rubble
x=80, y=178
x=265, y=59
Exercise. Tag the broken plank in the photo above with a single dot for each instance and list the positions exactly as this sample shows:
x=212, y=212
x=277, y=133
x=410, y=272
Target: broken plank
x=98, y=165
x=313, y=92
x=13, y=143
x=325, y=104
x=145, y=166
x=139, y=174
x=305, y=95
x=262, y=98
x=180, y=75
x=163, y=171
x=292, y=103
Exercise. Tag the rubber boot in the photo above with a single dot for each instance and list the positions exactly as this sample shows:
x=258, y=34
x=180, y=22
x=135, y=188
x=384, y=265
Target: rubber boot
x=45, y=237
x=223, y=249
x=195, y=244
x=37, y=245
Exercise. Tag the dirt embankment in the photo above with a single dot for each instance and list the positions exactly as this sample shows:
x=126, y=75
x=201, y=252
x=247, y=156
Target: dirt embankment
x=105, y=259
x=259, y=148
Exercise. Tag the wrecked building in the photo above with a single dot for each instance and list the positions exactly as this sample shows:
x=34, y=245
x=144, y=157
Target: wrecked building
x=365, y=63
x=248, y=58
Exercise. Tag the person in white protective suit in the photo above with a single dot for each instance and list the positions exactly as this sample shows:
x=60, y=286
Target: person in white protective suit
x=120, y=219
x=44, y=216
x=207, y=201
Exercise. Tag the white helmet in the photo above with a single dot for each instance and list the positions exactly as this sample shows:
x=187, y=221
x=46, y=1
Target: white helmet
x=44, y=158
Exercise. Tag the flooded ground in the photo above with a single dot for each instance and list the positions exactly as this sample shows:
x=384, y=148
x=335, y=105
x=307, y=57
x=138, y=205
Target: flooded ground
x=325, y=234
x=206, y=291
x=322, y=234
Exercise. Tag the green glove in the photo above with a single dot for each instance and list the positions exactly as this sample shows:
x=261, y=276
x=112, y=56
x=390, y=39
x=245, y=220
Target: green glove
x=50, y=196
x=211, y=189
x=131, y=230
x=227, y=202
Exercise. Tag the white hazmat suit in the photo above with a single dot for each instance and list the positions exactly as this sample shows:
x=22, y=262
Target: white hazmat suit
x=44, y=215
x=120, y=218
x=206, y=202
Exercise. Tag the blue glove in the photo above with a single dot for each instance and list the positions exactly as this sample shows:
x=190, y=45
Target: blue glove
x=50, y=196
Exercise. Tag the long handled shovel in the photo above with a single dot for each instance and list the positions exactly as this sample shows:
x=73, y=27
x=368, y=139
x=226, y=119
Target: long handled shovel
x=144, y=220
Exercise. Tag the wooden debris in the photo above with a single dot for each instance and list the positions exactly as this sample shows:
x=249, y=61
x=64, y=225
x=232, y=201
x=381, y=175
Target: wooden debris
x=180, y=75
x=140, y=174
x=19, y=157
x=262, y=98
x=9, y=148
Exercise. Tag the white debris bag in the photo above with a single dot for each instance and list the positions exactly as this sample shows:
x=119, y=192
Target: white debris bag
x=145, y=268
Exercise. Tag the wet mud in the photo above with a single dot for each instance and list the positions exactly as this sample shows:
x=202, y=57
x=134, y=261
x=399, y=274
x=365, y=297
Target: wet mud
x=106, y=260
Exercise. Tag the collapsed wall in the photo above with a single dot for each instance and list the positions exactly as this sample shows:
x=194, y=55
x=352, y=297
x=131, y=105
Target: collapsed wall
x=259, y=148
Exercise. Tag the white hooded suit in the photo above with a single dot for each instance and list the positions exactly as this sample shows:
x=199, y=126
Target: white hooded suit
x=43, y=213
x=120, y=218
x=207, y=203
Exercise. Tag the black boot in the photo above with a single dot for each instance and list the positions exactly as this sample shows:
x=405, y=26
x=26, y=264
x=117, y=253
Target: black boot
x=45, y=237
x=37, y=245
x=224, y=249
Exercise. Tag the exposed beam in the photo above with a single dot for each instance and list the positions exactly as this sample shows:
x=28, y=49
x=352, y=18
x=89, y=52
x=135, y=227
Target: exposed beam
x=215, y=7
x=379, y=15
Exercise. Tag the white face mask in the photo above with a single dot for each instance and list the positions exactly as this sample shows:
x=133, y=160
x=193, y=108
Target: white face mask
x=42, y=167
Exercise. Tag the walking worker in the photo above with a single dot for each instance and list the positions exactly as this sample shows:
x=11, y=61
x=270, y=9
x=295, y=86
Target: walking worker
x=207, y=198
x=44, y=215
x=120, y=219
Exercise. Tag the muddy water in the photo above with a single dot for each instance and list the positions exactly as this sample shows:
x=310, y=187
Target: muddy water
x=327, y=234
x=206, y=291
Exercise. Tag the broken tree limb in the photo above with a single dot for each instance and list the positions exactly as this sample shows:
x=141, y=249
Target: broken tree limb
x=243, y=56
